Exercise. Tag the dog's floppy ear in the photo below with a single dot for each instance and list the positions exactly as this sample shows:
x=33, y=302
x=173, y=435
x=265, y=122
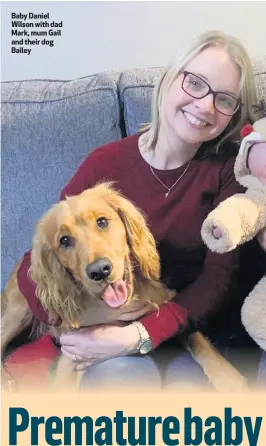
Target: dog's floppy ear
x=140, y=240
x=54, y=286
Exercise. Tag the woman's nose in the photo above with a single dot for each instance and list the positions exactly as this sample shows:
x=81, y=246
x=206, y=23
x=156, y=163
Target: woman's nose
x=206, y=104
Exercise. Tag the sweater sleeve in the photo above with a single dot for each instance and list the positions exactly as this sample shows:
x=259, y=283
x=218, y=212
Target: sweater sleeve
x=212, y=288
x=84, y=178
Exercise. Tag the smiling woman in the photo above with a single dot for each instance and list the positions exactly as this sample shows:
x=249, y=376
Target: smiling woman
x=176, y=170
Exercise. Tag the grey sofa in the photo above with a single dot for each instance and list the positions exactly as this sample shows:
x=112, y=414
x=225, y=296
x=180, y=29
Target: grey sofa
x=48, y=128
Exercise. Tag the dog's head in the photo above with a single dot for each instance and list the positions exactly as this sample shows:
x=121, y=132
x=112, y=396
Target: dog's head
x=91, y=244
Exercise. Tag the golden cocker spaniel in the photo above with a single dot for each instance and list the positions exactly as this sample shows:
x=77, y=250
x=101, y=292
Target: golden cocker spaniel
x=93, y=253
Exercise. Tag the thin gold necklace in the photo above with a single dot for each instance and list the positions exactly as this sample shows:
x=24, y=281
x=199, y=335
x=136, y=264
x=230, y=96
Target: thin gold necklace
x=173, y=185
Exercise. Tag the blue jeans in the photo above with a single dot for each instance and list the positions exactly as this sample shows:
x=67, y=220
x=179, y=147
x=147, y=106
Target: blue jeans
x=169, y=370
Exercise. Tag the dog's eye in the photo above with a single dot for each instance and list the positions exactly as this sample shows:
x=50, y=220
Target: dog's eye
x=102, y=222
x=66, y=241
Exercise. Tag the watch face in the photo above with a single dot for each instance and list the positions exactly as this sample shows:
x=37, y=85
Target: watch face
x=146, y=347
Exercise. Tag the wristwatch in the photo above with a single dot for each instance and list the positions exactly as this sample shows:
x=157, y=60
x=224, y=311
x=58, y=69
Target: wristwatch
x=145, y=344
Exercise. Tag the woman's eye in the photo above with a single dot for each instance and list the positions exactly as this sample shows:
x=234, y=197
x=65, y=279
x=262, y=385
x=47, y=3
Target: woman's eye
x=227, y=101
x=66, y=241
x=102, y=222
x=194, y=84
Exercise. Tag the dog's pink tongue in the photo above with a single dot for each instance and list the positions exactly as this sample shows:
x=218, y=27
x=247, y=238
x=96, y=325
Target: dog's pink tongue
x=116, y=294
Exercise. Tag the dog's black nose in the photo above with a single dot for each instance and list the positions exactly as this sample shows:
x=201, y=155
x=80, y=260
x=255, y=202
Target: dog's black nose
x=99, y=270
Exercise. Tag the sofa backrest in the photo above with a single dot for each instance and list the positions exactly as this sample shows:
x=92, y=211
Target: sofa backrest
x=49, y=127
x=135, y=91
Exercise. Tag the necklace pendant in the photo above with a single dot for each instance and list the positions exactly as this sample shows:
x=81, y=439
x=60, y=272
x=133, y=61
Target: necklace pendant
x=167, y=193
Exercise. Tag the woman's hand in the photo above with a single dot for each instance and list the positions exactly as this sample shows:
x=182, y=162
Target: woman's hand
x=261, y=237
x=87, y=346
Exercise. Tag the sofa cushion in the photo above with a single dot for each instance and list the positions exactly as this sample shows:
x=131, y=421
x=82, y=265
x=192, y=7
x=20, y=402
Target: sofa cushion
x=135, y=87
x=48, y=128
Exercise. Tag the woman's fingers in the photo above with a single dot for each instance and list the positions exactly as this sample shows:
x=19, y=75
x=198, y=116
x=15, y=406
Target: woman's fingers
x=83, y=365
x=70, y=351
x=69, y=338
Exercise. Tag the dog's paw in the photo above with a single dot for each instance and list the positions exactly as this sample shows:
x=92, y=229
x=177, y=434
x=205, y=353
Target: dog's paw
x=228, y=380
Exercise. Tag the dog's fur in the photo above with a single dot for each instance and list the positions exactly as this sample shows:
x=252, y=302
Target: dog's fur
x=66, y=291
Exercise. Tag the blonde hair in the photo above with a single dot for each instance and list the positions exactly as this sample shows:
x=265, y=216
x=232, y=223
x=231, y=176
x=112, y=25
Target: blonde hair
x=239, y=56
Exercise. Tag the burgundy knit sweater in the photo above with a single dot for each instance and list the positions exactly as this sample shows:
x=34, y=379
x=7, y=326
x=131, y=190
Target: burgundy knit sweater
x=175, y=220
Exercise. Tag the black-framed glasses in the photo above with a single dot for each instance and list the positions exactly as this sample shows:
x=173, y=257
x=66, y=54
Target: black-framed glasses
x=197, y=88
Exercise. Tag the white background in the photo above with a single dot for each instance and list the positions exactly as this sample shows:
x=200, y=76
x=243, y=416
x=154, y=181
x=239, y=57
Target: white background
x=99, y=36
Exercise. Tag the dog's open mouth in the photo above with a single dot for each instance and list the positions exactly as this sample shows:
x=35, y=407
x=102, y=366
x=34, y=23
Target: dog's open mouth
x=116, y=294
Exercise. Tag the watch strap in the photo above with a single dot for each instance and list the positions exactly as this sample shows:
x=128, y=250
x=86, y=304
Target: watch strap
x=144, y=338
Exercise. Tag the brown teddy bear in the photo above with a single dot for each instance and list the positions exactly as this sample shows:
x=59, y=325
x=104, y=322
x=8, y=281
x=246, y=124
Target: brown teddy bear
x=241, y=217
